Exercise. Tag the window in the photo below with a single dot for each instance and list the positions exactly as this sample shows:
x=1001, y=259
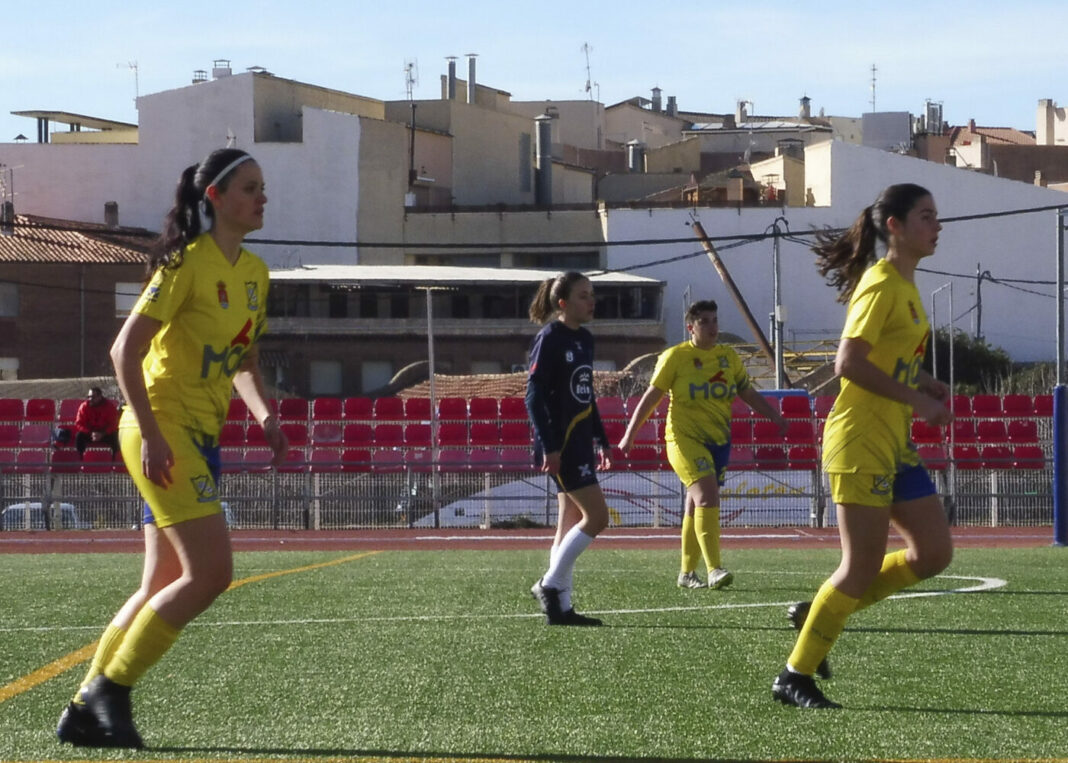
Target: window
x=9, y=299
x=9, y=369
x=126, y=295
x=375, y=374
x=338, y=304
x=487, y=367
x=399, y=306
x=325, y=377
x=368, y=305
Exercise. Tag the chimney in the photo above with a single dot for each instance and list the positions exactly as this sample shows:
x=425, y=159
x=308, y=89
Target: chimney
x=806, y=109
x=543, y=153
x=672, y=107
x=656, y=99
x=471, y=77
x=635, y=156
x=220, y=68
x=729, y=123
x=450, y=91
x=739, y=113
x=1039, y=180
x=7, y=219
x=111, y=214
x=971, y=125
x=1045, y=122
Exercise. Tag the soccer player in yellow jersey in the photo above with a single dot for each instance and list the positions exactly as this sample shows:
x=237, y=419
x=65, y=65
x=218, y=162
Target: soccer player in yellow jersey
x=875, y=474
x=702, y=379
x=190, y=338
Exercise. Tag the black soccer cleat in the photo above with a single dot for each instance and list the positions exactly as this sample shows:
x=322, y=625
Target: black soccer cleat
x=797, y=614
x=571, y=617
x=109, y=702
x=800, y=690
x=549, y=600
x=78, y=726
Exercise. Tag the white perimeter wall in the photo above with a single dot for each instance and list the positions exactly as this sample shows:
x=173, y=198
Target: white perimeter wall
x=1018, y=246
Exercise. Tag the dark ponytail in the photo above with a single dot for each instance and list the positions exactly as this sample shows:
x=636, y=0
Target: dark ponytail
x=182, y=223
x=550, y=292
x=843, y=258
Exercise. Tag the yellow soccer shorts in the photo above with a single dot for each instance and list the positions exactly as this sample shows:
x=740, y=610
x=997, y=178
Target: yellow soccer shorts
x=193, y=492
x=882, y=490
x=694, y=459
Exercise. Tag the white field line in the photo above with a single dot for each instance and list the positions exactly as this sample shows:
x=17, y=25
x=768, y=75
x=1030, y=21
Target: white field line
x=984, y=584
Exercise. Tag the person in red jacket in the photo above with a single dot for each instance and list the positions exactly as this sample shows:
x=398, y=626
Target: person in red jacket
x=97, y=422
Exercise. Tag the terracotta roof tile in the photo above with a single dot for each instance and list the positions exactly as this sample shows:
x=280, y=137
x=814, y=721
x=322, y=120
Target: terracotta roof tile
x=41, y=239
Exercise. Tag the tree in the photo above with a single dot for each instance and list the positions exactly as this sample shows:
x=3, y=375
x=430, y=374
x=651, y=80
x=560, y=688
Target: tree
x=977, y=367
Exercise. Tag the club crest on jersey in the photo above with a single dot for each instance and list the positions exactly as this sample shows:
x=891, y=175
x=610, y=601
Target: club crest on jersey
x=224, y=299
x=697, y=363
x=252, y=292
x=204, y=486
x=912, y=312
x=881, y=485
x=724, y=363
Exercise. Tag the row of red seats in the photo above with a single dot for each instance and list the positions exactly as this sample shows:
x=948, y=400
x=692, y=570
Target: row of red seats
x=967, y=431
x=43, y=410
x=971, y=457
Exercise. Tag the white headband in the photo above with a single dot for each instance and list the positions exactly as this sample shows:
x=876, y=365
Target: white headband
x=226, y=171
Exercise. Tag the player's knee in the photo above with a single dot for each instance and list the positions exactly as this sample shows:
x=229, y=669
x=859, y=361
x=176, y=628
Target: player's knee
x=933, y=560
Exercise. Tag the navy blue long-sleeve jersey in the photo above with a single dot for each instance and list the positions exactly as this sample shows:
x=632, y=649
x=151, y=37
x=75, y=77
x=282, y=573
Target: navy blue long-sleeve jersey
x=560, y=397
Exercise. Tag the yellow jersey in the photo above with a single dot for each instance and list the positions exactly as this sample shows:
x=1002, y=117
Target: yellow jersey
x=867, y=433
x=212, y=313
x=702, y=385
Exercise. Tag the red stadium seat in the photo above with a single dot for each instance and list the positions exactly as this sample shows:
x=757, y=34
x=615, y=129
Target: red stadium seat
x=9, y=435
x=515, y=433
x=643, y=458
x=293, y=409
x=388, y=409
x=232, y=434
x=35, y=436
x=614, y=429
x=27, y=461
x=41, y=409
x=933, y=456
x=770, y=457
x=356, y=460
x=649, y=433
x=417, y=408
x=986, y=405
x=356, y=434
x=66, y=461
x=966, y=457
x=417, y=435
x=796, y=407
x=821, y=405
x=800, y=433
x=388, y=435
x=361, y=408
x=962, y=406
x=452, y=409
x=297, y=434
x=1018, y=406
x=387, y=460
x=1023, y=431
x=996, y=457
x=452, y=433
x=922, y=432
x=254, y=436
x=326, y=409
x=1044, y=405
x=742, y=459
x=68, y=410
x=258, y=459
x=11, y=409
x=513, y=409
x=484, y=433
x=232, y=460
x=484, y=459
x=991, y=432
x=294, y=461
x=803, y=457
x=740, y=409
x=516, y=460
x=453, y=459
x=238, y=411
x=741, y=432
x=483, y=409
x=418, y=459
x=630, y=404
x=326, y=432
x=98, y=461
x=1028, y=457
x=964, y=431
x=325, y=460
x=611, y=407
x=766, y=432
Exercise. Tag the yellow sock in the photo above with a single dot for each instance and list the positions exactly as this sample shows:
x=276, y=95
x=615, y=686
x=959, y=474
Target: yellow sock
x=105, y=649
x=826, y=619
x=146, y=642
x=706, y=526
x=691, y=551
x=894, y=575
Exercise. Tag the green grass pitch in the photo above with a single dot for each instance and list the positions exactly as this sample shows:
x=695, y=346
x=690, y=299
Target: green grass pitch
x=440, y=655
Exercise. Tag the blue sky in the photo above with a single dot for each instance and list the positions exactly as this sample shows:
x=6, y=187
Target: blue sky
x=985, y=60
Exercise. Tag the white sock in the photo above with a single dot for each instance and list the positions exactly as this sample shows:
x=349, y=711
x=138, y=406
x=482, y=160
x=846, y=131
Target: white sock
x=559, y=574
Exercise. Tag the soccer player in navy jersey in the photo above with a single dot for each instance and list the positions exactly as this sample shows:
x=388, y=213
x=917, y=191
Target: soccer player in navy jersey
x=569, y=439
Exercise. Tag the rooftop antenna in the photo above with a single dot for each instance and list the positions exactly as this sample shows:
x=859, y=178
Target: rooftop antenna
x=586, y=48
x=411, y=76
x=132, y=66
x=873, y=70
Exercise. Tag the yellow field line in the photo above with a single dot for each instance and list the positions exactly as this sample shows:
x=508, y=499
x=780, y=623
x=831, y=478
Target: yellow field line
x=78, y=656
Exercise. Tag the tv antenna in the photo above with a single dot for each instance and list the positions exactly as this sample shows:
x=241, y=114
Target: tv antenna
x=132, y=66
x=873, y=70
x=411, y=76
x=586, y=48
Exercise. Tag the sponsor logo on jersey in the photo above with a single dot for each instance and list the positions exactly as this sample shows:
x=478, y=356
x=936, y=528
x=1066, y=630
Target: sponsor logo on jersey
x=224, y=299
x=582, y=384
x=227, y=360
x=204, y=486
x=252, y=292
